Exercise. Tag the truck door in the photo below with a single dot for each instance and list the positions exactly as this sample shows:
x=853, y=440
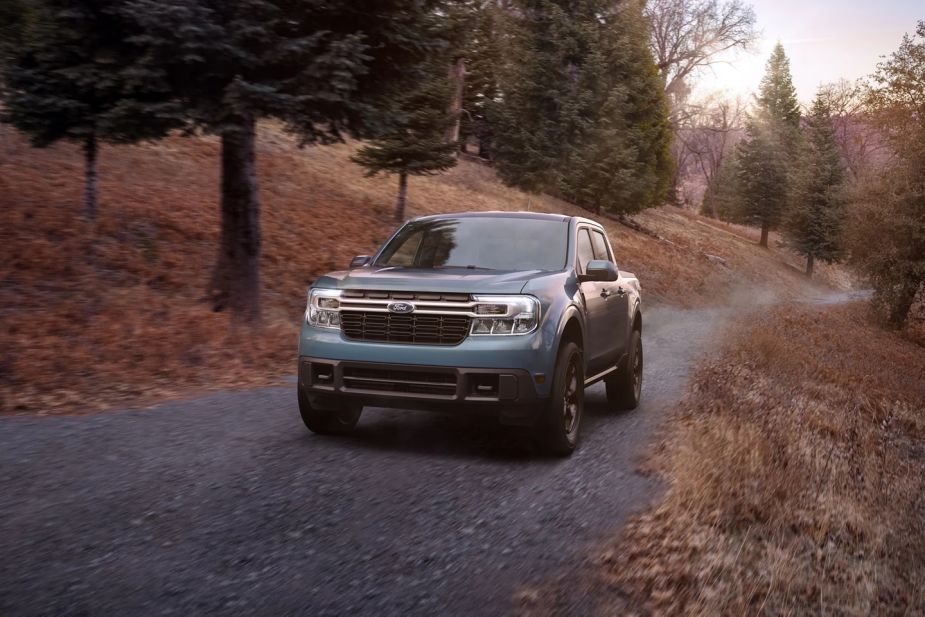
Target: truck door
x=597, y=339
x=616, y=302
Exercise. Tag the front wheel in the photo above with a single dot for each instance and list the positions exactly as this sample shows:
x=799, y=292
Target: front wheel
x=624, y=389
x=558, y=424
x=328, y=416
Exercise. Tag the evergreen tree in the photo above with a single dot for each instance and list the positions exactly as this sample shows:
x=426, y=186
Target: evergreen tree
x=621, y=159
x=721, y=199
x=482, y=26
x=771, y=143
x=813, y=225
x=416, y=145
x=16, y=17
x=777, y=96
x=322, y=68
x=69, y=79
x=539, y=118
x=584, y=115
x=762, y=174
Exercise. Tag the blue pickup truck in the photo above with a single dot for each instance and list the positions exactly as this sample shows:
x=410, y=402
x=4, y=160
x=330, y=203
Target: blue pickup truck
x=511, y=312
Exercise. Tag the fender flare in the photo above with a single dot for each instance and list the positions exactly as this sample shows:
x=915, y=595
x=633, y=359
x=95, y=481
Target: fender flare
x=570, y=312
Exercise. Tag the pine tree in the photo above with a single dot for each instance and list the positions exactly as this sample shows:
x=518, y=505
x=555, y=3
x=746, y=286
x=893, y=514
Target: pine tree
x=540, y=116
x=584, y=115
x=416, y=146
x=322, y=68
x=16, y=18
x=69, y=79
x=621, y=160
x=482, y=27
x=813, y=224
x=762, y=175
x=777, y=96
x=771, y=143
x=721, y=199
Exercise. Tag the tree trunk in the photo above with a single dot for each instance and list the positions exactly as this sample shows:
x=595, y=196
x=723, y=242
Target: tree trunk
x=402, y=196
x=90, y=156
x=765, y=230
x=458, y=80
x=236, y=277
x=809, y=265
x=902, y=303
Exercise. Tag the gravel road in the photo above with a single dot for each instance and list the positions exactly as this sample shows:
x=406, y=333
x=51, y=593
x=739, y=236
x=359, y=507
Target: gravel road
x=226, y=504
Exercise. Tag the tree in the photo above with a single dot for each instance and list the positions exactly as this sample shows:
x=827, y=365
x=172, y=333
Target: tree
x=689, y=35
x=813, y=223
x=762, y=176
x=584, y=115
x=777, y=98
x=771, y=142
x=322, y=68
x=16, y=18
x=482, y=26
x=416, y=146
x=722, y=196
x=886, y=235
x=859, y=141
x=69, y=80
x=708, y=136
x=621, y=160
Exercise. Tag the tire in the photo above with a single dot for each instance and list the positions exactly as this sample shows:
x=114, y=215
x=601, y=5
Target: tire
x=557, y=429
x=333, y=417
x=624, y=389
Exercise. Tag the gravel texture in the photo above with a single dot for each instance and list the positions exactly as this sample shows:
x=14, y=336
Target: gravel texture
x=226, y=504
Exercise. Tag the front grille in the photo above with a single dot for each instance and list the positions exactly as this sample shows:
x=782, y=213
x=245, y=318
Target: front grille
x=406, y=381
x=414, y=329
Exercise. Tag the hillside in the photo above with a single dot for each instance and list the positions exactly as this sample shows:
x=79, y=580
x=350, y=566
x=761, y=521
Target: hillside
x=112, y=314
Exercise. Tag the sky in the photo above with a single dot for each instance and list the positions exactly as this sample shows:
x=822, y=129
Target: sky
x=826, y=40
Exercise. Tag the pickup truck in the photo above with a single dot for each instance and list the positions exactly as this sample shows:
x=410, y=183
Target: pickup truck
x=511, y=312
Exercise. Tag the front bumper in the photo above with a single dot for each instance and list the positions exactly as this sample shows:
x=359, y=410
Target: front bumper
x=511, y=393
x=534, y=354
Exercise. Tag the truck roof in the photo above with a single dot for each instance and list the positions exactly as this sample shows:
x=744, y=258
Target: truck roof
x=506, y=215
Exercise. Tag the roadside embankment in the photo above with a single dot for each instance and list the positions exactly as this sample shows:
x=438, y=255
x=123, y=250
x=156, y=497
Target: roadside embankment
x=795, y=474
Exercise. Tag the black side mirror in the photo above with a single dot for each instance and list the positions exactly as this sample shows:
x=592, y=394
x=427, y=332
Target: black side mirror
x=600, y=271
x=359, y=261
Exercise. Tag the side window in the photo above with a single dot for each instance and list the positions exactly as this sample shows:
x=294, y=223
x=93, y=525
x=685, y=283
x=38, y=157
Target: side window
x=600, y=246
x=585, y=250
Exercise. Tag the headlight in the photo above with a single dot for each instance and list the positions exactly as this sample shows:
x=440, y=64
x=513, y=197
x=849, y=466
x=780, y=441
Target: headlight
x=323, y=309
x=505, y=315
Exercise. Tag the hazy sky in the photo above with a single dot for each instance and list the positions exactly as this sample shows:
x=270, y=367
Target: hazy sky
x=825, y=40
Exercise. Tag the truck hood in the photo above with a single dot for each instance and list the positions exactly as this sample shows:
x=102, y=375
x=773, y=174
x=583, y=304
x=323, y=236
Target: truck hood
x=445, y=280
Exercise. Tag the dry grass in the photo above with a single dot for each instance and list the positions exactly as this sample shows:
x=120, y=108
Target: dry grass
x=796, y=471
x=112, y=313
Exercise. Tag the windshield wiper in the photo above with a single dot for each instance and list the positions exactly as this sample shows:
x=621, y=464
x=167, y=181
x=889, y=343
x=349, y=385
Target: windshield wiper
x=470, y=267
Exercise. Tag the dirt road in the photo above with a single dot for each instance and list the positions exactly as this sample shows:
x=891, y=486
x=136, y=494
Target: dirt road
x=226, y=504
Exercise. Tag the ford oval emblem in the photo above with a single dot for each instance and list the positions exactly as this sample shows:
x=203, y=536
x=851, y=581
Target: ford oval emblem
x=402, y=308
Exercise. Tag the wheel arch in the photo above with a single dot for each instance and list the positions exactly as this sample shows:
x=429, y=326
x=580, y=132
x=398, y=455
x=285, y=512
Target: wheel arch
x=571, y=327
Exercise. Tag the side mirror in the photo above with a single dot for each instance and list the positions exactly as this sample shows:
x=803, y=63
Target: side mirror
x=600, y=271
x=359, y=261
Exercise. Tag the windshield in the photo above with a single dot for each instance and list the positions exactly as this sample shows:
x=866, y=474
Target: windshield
x=489, y=243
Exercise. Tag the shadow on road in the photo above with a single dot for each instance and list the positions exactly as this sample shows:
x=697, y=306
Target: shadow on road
x=442, y=434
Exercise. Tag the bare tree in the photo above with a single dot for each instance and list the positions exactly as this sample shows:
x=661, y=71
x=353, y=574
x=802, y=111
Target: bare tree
x=859, y=142
x=713, y=130
x=688, y=35
x=708, y=134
